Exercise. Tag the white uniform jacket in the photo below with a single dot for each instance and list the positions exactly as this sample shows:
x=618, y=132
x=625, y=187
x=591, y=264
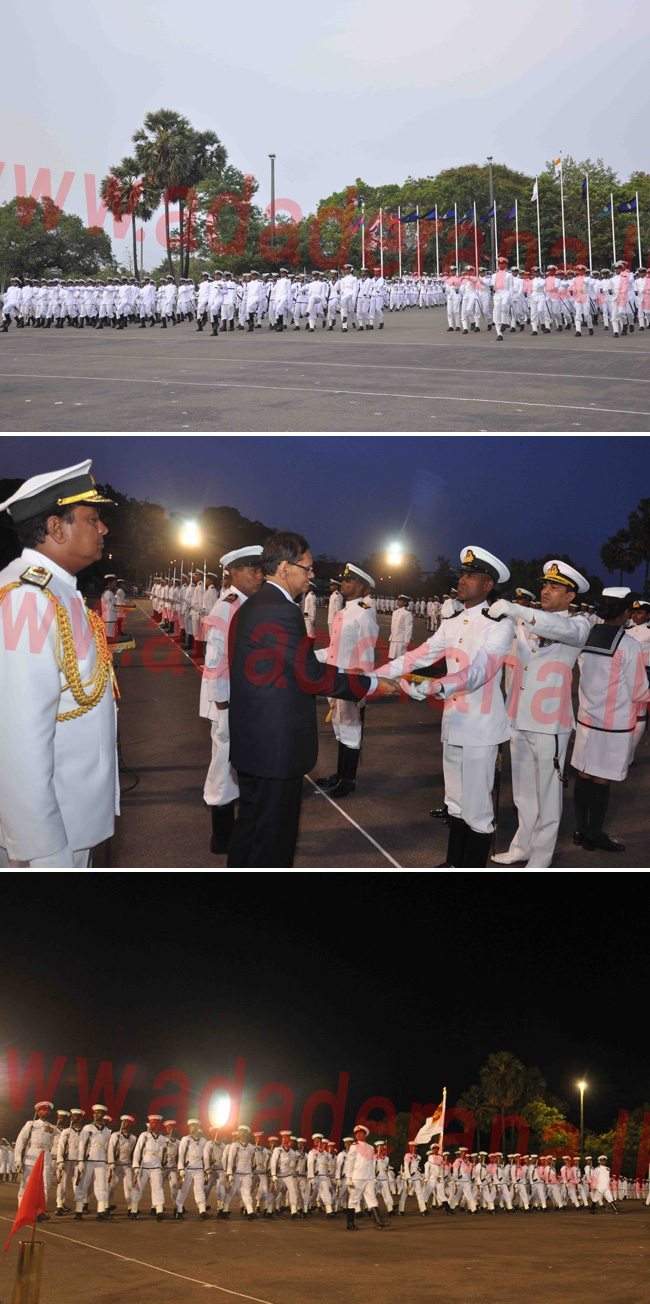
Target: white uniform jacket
x=215, y=684
x=59, y=777
x=148, y=1150
x=355, y=631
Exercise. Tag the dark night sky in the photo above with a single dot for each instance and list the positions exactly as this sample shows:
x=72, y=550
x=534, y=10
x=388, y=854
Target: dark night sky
x=405, y=981
x=351, y=495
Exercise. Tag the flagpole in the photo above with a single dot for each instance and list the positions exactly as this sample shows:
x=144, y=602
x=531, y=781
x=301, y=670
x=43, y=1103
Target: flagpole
x=437, y=254
x=496, y=234
x=611, y=213
x=456, y=233
x=562, y=202
x=638, y=228
x=399, y=239
x=588, y=222
x=444, y=1100
x=363, y=234
x=539, y=237
x=417, y=232
x=381, y=242
x=475, y=241
x=516, y=233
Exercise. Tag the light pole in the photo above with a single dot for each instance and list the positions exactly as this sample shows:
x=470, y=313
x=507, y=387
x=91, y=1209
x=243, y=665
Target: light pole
x=272, y=158
x=492, y=250
x=582, y=1086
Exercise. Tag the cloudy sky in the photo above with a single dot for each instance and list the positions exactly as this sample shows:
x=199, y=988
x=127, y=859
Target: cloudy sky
x=364, y=89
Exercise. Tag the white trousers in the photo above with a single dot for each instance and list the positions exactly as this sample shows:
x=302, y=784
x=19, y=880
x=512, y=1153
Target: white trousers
x=123, y=1173
x=194, y=1177
x=469, y=779
x=28, y=1164
x=242, y=1184
x=218, y=1181
x=346, y=722
x=416, y=1188
x=80, y=860
x=289, y=1185
x=94, y=1177
x=383, y=1189
x=367, y=1191
x=537, y=793
x=221, y=784
x=154, y=1176
x=501, y=309
x=323, y=1191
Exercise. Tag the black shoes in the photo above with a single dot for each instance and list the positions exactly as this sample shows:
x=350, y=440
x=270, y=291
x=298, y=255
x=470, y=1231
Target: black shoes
x=351, y=1225
x=601, y=842
x=348, y=762
x=223, y=818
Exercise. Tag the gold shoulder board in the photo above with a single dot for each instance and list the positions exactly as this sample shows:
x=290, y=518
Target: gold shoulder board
x=36, y=575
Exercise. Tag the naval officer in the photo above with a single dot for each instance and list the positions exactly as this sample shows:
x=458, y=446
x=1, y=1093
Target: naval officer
x=59, y=794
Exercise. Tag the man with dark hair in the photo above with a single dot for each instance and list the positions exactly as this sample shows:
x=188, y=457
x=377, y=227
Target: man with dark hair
x=57, y=743
x=274, y=678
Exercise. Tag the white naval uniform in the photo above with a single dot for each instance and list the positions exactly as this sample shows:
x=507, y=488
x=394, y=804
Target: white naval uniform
x=401, y=632
x=214, y=1174
x=67, y=1155
x=360, y=1175
x=60, y=793
x=355, y=631
x=283, y=1175
x=412, y=1179
x=147, y=1164
x=641, y=635
x=191, y=1171
x=239, y=1170
x=221, y=785
x=120, y=1163
x=612, y=688
x=382, y=1181
x=473, y=723
x=539, y=709
x=109, y=611
x=309, y=612
x=318, y=1174
x=600, y=1190
x=335, y=604
x=260, y=1164
x=92, y=1153
x=35, y=1137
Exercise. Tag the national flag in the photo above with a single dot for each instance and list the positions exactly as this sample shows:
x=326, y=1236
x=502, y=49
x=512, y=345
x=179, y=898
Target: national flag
x=488, y=215
x=359, y=222
x=33, y=1201
x=432, y=1127
x=585, y=187
x=558, y=165
x=375, y=226
x=429, y=217
x=534, y=195
x=447, y=217
x=395, y=222
x=509, y=217
x=628, y=206
x=606, y=211
x=468, y=216
x=411, y=217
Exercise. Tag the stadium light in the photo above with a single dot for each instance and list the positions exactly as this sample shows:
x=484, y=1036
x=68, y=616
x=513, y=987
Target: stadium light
x=190, y=534
x=219, y=1108
x=394, y=557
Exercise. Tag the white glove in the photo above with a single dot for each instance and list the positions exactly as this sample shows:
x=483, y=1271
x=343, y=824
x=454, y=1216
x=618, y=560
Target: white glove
x=19, y=1167
x=223, y=725
x=136, y=1175
x=59, y=1172
x=504, y=608
x=111, y=1172
x=420, y=692
x=181, y=1174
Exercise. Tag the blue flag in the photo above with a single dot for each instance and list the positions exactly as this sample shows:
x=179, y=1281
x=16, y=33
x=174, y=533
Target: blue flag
x=412, y=217
x=450, y=214
x=468, y=216
x=488, y=215
x=629, y=206
x=429, y=217
x=584, y=188
x=512, y=214
x=606, y=211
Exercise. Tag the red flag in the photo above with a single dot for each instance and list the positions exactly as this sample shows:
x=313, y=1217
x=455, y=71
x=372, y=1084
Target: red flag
x=33, y=1201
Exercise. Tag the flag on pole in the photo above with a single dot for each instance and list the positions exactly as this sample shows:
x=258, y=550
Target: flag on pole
x=558, y=166
x=606, y=211
x=585, y=184
x=411, y=217
x=467, y=216
x=448, y=216
x=433, y=1126
x=487, y=216
x=395, y=222
x=359, y=222
x=33, y=1201
x=534, y=194
x=509, y=216
x=628, y=206
x=429, y=217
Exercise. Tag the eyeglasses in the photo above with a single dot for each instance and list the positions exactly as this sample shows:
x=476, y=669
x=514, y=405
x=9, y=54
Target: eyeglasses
x=308, y=569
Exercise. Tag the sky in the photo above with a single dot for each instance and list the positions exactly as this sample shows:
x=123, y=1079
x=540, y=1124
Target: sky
x=517, y=496
x=357, y=89
x=405, y=982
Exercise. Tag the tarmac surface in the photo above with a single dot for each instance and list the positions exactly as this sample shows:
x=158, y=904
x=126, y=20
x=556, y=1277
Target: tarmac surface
x=502, y=1259
x=412, y=376
x=385, y=823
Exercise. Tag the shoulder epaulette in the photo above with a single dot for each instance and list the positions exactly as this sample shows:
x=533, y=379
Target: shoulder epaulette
x=37, y=575
x=496, y=619
x=365, y=606
x=231, y=597
x=456, y=613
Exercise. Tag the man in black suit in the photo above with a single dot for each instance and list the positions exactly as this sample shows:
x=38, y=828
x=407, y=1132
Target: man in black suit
x=274, y=679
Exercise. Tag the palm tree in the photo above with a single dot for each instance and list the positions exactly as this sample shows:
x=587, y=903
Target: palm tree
x=207, y=157
x=163, y=153
x=618, y=554
x=476, y=1101
x=117, y=190
x=502, y=1079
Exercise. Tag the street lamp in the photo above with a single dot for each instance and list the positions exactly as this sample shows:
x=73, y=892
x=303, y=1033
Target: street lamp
x=394, y=557
x=272, y=158
x=190, y=534
x=582, y=1086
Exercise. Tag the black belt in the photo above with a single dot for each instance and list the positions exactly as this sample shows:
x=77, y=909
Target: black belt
x=601, y=730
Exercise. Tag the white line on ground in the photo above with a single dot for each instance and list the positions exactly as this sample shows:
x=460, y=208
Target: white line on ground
x=172, y=640
x=354, y=822
x=360, y=393
x=141, y=1264
x=457, y=371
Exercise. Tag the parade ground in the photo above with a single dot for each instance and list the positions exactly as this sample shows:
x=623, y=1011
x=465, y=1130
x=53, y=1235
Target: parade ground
x=412, y=376
x=384, y=824
x=500, y=1259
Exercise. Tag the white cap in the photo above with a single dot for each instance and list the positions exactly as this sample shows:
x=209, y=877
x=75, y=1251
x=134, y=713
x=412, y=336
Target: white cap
x=616, y=593
x=524, y=593
x=360, y=1127
x=192, y=1121
x=559, y=572
x=53, y=489
x=479, y=559
x=285, y=1131
x=127, y=1118
x=151, y=1118
x=317, y=1136
x=76, y=1111
x=46, y=1104
x=357, y=571
x=101, y=1107
x=301, y=1138
x=239, y=554
x=243, y=1127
